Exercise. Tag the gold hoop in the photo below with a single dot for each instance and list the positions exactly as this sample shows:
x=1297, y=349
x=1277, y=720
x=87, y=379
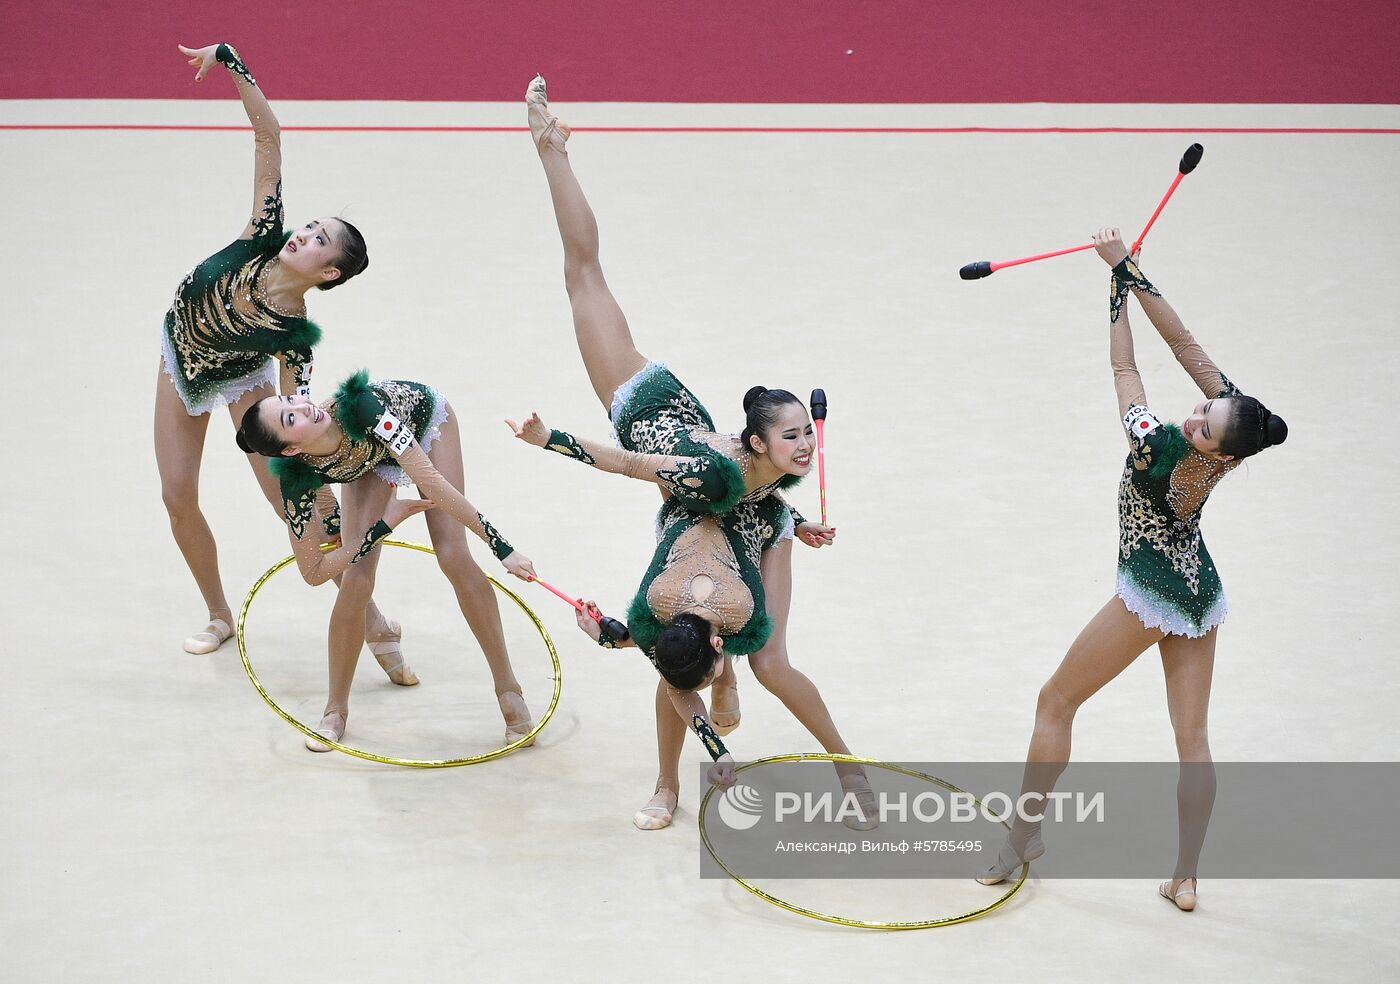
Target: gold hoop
x=390, y=759
x=845, y=920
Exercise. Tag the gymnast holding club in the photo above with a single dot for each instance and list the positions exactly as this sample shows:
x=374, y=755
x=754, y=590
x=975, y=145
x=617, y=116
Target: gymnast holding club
x=720, y=581
x=1168, y=591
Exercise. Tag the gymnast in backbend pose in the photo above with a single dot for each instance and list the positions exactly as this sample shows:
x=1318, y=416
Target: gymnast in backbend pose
x=720, y=582
x=370, y=438
x=237, y=317
x=1168, y=593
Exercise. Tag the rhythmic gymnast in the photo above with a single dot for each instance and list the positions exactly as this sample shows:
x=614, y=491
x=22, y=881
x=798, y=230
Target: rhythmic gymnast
x=232, y=316
x=370, y=438
x=720, y=582
x=1168, y=590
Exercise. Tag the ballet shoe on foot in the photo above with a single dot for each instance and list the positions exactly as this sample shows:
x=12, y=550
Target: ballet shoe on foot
x=659, y=811
x=546, y=130
x=869, y=817
x=1009, y=859
x=1184, y=898
x=513, y=706
x=329, y=729
x=385, y=647
x=214, y=635
x=724, y=718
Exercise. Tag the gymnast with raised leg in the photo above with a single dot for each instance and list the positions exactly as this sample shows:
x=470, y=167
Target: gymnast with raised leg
x=370, y=438
x=1168, y=590
x=237, y=317
x=720, y=581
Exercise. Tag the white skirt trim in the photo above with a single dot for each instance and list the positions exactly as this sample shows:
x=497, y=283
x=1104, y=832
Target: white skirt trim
x=624, y=393
x=1156, y=613
x=226, y=393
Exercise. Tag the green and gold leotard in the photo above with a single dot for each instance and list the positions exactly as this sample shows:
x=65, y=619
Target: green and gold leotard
x=222, y=332
x=666, y=436
x=1165, y=573
x=359, y=407
x=725, y=550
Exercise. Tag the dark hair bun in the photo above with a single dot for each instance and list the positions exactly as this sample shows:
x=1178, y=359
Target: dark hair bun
x=683, y=651
x=753, y=394
x=243, y=443
x=1275, y=430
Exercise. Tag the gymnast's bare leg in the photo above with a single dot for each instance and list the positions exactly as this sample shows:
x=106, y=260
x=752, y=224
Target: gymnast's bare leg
x=604, y=340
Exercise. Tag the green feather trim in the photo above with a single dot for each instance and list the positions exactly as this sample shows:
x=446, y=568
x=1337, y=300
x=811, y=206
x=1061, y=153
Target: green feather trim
x=646, y=629
x=303, y=336
x=788, y=481
x=1170, y=453
x=295, y=476
x=356, y=407
x=733, y=485
x=642, y=623
x=751, y=638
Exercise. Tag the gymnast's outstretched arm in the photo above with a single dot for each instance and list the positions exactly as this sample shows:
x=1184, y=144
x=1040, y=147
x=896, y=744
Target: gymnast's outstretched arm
x=267, y=137
x=687, y=703
x=1127, y=381
x=446, y=496
x=687, y=476
x=1188, y=352
x=317, y=567
x=691, y=707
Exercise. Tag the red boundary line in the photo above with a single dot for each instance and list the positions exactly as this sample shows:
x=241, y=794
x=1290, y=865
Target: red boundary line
x=725, y=129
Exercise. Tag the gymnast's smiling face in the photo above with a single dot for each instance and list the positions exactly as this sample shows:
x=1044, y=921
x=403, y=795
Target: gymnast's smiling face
x=296, y=420
x=790, y=442
x=1207, y=425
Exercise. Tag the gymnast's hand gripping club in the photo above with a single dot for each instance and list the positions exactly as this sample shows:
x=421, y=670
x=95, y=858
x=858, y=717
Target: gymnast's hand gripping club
x=985, y=268
x=611, y=631
x=819, y=419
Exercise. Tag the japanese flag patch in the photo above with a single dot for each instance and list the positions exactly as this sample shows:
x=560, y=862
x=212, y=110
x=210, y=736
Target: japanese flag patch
x=1139, y=422
x=304, y=382
x=392, y=432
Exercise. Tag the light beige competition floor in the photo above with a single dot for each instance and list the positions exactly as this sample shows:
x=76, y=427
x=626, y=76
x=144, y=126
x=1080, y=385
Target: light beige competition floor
x=162, y=824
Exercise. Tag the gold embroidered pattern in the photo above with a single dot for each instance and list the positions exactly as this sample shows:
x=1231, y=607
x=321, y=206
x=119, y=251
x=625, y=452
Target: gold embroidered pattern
x=1177, y=540
x=752, y=529
x=353, y=459
x=661, y=434
x=213, y=326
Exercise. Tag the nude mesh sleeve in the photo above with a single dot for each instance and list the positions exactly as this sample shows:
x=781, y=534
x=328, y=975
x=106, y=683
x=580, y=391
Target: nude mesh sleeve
x=1127, y=381
x=431, y=485
x=1188, y=352
x=694, y=478
x=267, y=216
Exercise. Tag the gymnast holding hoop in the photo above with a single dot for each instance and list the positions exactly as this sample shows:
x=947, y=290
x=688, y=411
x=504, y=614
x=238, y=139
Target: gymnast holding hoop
x=233, y=315
x=1168, y=591
x=720, y=581
x=370, y=438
